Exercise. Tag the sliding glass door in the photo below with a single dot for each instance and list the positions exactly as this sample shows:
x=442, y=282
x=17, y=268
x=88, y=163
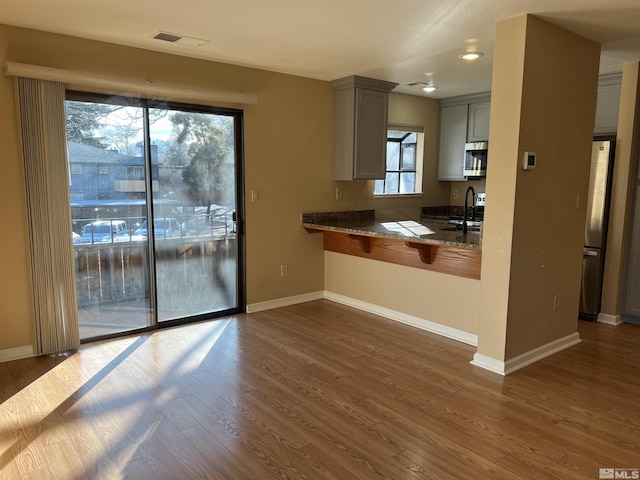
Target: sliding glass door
x=154, y=201
x=196, y=246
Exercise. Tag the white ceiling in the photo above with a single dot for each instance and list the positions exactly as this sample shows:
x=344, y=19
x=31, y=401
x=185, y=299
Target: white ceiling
x=402, y=41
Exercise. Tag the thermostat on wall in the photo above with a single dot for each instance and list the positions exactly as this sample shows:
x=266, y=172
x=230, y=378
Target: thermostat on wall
x=529, y=160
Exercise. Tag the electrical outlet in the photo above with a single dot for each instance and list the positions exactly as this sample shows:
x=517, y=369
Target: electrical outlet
x=255, y=195
x=556, y=303
x=455, y=194
x=578, y=200
x=338, y=193
x=284, y=270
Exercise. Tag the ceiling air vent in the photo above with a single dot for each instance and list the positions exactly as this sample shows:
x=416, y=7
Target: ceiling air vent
x=179, y=39
x=167, y=37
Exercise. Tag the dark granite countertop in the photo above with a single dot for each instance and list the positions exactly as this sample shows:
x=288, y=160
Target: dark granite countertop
x=363, y=222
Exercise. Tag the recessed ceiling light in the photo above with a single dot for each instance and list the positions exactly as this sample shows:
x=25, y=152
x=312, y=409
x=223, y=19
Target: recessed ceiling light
x=427, y=87
x=470, y=55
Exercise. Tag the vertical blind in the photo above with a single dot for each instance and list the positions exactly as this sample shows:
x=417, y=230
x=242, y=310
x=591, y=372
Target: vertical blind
x=42, y=122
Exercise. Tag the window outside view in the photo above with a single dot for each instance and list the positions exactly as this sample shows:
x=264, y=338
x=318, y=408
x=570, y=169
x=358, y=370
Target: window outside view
x=402, y=164
x=153, y=202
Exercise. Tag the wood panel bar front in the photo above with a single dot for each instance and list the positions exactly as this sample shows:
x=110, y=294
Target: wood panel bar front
x=463, y=262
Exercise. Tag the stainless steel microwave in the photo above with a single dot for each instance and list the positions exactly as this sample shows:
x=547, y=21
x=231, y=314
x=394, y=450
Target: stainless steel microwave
x=475, y=159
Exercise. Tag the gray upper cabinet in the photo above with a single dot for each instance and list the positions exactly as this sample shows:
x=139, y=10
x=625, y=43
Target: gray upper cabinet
x=361, y=113
x=608, y=104
x=478, y=123
x=462, y=119
x=453, y=134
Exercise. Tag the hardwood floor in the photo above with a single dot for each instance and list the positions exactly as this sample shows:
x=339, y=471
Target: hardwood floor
x=317, y=391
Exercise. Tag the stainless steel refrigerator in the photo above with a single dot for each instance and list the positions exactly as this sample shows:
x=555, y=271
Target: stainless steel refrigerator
x=595, y=234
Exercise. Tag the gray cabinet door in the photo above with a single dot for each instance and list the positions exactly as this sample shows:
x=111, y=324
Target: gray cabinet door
x=371, y=134
x=360, y=143
x=478, y=124
x=607, y=107
x=453, y=135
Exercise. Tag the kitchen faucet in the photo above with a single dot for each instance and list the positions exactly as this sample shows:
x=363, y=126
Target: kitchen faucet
x=473, y=201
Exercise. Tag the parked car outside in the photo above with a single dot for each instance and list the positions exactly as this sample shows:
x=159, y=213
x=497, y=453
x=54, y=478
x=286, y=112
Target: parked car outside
x=219, y=221
x=103, y=231
x=163, y=227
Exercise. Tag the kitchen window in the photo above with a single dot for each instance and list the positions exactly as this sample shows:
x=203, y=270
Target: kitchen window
x=404, y=162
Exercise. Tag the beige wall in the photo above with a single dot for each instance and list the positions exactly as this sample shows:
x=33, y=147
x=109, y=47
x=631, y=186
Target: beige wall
x=459, y=188
x=15, y=306
x=507, y=84
x=444, y=299
x=543, y=100
x=626, y=152
x=288, y=158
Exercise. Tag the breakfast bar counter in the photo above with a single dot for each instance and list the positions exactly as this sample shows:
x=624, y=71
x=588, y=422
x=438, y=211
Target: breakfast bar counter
x=428, y=244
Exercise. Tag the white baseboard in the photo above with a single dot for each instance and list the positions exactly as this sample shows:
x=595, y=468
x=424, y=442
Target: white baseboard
x=443, y=330
x=488, y=363
x=284, y=302
x=417, y=322
x=16, y=353
x=609, y=319
x=527, y=358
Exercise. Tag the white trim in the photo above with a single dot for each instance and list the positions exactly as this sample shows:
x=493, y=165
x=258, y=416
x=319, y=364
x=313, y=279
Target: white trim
x=405, y=127
x=16, y=353
x=123, y=86
x=609, y=319
x=527, y=358
x=467, y=98
x=284, y=302
x=437, y=328
x=488, y=363
x=398, y=195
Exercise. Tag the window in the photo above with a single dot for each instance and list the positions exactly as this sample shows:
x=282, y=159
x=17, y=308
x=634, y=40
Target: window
x=135, y=173
x=76, y=168
x=404, y=162
x=103, y=170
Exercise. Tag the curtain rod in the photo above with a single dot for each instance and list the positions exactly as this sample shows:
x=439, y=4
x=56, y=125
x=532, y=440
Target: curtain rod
x=121, y=86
